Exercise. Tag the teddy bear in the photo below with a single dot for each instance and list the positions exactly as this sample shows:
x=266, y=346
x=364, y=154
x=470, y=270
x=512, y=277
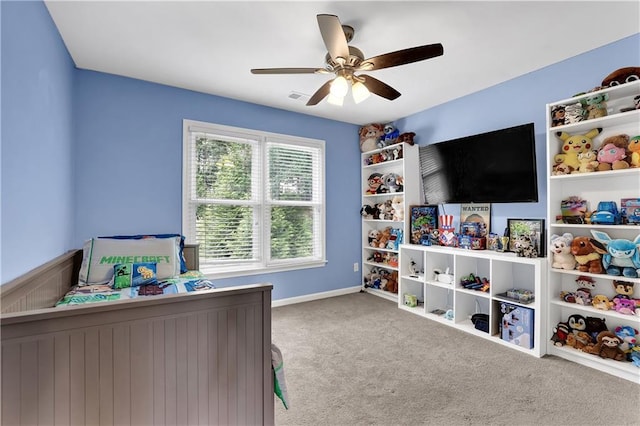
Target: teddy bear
x=560, y=249
x=397, y=204
x=613, y=152
x=588, y=162
x=634, y=149
x=370, y=135
x=574, y=145
x=579, y=340
x=383, y=237
x=587, y=253
x=407, y=137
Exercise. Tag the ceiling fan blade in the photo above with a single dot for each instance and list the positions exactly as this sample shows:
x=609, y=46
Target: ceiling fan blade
x=320, y=94
x=379, y=88
x=333, y=36
x=402, y=57
x=288, y=71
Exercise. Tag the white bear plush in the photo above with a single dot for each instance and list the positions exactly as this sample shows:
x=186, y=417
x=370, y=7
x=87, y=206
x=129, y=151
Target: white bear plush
x=560, y=248
x=397, y=203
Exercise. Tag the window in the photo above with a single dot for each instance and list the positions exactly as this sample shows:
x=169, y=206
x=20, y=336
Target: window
x=253, y=201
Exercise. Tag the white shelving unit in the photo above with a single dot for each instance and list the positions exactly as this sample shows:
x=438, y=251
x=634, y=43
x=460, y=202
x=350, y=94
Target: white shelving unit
x=408, y=168
x=505, y=271
x=593, y=187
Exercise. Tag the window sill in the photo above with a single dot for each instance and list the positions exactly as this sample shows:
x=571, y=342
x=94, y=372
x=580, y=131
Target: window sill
x=213, y=272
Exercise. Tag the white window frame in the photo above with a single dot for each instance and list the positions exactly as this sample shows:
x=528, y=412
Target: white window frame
x=265, y=265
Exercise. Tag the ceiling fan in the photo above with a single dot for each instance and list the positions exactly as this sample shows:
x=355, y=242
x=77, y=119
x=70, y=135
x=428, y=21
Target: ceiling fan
x=344, y=61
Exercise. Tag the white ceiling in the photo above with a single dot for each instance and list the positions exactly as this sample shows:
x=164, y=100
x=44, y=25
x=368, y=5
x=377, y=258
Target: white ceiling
x=210, y=46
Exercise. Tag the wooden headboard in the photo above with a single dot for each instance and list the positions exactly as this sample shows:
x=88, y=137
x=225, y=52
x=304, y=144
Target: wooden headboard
x=43, y=286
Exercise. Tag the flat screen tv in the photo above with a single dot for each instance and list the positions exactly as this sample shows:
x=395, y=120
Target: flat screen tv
x=493, y=167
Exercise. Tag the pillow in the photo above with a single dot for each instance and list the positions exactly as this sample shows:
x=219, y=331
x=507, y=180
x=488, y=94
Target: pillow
x=101, y=254
x=183, y=262
x=134, y=274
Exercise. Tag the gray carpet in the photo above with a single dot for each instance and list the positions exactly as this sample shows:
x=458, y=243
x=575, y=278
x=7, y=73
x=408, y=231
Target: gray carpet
x=358, y=359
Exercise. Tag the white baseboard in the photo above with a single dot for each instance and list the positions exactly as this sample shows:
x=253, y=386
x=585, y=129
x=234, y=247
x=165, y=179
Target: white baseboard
x=315, y=296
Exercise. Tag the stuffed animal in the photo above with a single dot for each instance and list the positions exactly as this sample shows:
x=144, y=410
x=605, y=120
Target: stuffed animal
x=557, y=115
x=372, y=237
x=622, y=76
x=524, y=247
x=560, y=333
x=370, y=135
x=397, y=203
x=574, y=145
x=384, y=237
x=622, y=257
x=629, y=337
x=594, y=326
x=368, y=212
x=587, y=253
x=385, y=210
x=579, y=340
x=588, y=162
x=407, y=138
x=623, y=289
x=576, y=322
x=607, y=346
x=560, y=249
x=600, y=301
x=597, y=106
x=390, y=135
x=562, y=169
x=624, y=306
x=613, y=152
x=574, y=113
x=374, y=181
x=393, y=182
x=634, y=148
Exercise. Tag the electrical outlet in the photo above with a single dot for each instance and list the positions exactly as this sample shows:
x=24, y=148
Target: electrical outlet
x=356, y=267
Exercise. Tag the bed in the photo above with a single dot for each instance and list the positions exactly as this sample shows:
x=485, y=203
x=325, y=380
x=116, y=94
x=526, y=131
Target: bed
x=196, y=358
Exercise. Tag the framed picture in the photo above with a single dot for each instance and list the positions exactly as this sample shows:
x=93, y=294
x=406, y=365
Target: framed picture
x=424, y=219
x=534, y=228
x=477, y=212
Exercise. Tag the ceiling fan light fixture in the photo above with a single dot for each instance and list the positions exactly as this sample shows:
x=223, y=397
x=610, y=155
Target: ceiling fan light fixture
x=339, y=86
x=359, y=92
x=335, y=100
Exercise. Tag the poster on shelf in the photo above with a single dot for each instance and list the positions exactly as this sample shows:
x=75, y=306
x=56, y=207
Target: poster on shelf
x=478, y=213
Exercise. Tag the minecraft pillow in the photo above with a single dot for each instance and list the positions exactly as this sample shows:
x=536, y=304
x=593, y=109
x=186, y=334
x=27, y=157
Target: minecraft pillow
x=100, y=255
x=183, y=262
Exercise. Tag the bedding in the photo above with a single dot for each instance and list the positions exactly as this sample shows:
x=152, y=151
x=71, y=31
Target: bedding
x=185, y=283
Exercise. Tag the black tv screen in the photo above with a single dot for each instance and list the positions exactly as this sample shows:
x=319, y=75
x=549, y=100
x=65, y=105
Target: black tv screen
x=492, y=167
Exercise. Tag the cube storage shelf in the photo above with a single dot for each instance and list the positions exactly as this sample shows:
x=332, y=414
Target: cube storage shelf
x=505, y=271
x=593, y=187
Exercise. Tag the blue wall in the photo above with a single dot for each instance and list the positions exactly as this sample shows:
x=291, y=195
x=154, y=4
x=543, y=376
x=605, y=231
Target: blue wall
x=129, y=165
x=518, y=101
x=37, y=142
x=102, y=153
